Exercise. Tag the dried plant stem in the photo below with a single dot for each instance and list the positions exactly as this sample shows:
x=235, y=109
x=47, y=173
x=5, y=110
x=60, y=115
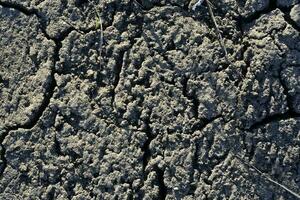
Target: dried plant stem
x=221, y=40
x=137, y=3
x=267, y=177
x=97, y=26
x=73, y=26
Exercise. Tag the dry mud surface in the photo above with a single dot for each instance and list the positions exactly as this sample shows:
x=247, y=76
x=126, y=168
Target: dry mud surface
x=155, y=112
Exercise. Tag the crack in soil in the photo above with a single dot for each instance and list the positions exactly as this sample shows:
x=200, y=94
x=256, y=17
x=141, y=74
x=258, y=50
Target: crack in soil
x=288, y=19
x=272, y=118
x=241, y=21
x=163, y=190
x=192, y=98
x=117, y=70
x=146, y=146
x=290, y=114
x=245, y=69
x=289, y=100
x=2, y=153
x=195, y=164
x=31, y=123
x=121, y=57
x=204, y=122
x=146, y=157
x=20, y=8
x=49, y=90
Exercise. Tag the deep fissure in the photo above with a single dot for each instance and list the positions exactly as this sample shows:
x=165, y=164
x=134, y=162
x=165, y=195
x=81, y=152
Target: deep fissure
x=272, y=118
x=163, y=190
x=146, y=146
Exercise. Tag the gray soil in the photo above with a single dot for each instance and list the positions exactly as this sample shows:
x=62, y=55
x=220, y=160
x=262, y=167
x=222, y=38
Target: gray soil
x=155, y=112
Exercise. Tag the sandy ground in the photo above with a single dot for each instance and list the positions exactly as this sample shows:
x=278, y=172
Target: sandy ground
x=155, y=112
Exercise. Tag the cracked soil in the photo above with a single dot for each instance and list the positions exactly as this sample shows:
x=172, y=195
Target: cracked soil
x=156, y=111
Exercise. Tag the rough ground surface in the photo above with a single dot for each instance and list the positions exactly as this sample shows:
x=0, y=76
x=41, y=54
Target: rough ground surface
x=156, y=113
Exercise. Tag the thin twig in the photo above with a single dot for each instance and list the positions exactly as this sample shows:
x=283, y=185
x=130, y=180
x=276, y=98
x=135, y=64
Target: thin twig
x=199, y=3
x=139, y=4
x=212, y=16
x=267, y=177
x=97, y=26
x=221, y=40
x=73, y=26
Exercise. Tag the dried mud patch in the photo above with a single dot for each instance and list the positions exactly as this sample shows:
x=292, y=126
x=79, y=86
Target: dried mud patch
x=155, y=112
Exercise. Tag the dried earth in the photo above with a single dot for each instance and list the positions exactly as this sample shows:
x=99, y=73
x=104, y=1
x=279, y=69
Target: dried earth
x=155, y=112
